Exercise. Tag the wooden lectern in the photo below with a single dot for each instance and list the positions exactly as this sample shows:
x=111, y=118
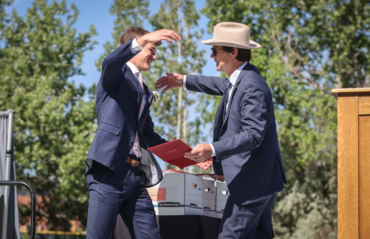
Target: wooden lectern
x=353, y=163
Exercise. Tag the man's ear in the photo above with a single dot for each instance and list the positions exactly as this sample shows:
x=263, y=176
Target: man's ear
x=235, y=52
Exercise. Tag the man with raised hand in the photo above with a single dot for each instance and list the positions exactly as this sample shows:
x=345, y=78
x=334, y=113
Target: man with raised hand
x=245, y=146
x=125, y=130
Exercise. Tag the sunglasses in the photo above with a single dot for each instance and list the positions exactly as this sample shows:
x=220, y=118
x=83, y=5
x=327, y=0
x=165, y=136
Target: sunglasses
x=214, y=51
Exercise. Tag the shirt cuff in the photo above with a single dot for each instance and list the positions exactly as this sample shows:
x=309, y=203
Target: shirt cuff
x=135, y=46
x=184, y=85
x=213, y=150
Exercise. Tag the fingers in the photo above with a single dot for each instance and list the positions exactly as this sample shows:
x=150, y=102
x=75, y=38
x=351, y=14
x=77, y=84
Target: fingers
x=191, y=156
x=170, y=75
x=167, y=88
x=203, y=165
x=157, y=36
x=170, y=34
x=200, y=152
x=166, y=81
x=168, y=39
x=161, y=84
x=161, y=81
x=174, y=35
x=193, y=153
x=207, y=163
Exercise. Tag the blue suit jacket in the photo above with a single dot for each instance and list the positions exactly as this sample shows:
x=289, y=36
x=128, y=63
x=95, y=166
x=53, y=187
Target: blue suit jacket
x=118, y=100
x=246, y=143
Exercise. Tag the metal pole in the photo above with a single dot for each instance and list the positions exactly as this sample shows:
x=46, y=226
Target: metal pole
x=33, y=202
x=16, y=210
x=7, y=172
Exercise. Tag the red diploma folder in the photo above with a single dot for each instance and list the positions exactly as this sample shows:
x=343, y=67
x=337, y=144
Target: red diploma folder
x=173, y=152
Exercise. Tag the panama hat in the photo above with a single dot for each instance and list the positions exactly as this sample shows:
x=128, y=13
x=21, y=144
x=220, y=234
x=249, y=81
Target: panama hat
x=232, y=34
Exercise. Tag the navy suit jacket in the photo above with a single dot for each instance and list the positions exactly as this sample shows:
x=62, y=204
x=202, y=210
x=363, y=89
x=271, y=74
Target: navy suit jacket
x=246, y=143
x=118, y=100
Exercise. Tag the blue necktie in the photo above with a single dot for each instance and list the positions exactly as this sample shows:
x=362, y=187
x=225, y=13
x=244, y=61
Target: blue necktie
x=229, y=86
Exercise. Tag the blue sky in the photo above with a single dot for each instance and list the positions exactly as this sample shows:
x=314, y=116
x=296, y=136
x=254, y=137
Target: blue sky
x=96, y=12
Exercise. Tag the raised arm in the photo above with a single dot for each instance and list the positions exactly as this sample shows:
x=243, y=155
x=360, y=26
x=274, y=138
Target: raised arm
x=205, y=84
x=113, y=63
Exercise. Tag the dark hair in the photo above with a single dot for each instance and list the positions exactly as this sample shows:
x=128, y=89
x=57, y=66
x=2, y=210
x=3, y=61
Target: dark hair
x=133, y=32
x=243, y=54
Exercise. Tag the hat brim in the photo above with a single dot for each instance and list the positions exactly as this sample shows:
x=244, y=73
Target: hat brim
x=252, y=44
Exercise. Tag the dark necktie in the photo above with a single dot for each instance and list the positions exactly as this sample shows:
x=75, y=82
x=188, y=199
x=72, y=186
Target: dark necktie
x=229, y=86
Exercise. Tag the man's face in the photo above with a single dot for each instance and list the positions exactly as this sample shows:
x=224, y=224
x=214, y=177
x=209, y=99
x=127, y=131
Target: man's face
x=145, y=57
x=222, y=58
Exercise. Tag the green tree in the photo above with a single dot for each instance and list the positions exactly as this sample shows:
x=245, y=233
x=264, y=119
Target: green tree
x=52, y=124
x=176, y=107
x=308, y=48
x=128, y=13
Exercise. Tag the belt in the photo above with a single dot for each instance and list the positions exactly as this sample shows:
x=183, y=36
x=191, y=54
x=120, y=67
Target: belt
x=133, y=162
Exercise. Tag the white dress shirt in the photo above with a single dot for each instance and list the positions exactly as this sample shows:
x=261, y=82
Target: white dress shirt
x=234, y=76
x=135, y=46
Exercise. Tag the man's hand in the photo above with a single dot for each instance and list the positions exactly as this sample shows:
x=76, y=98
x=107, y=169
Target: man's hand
x=205, y=165
x=170, y=81
x=200, y=153
x=158, y=36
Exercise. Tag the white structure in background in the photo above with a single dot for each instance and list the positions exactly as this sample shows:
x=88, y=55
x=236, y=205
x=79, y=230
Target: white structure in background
x=9, y=218
x=209, y=197
x=182, y=193
x=178, y=194
x=222, y=193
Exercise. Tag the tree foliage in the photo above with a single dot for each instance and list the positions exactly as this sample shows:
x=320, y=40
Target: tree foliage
x=308, y=48
x=128, y=13
x=174, y=111
x=52, y=123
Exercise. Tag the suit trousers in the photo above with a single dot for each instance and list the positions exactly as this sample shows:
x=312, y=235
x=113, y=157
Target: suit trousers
x=250, y=221
x=122, y=193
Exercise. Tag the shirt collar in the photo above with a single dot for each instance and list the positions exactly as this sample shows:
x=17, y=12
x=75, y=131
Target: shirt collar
x=132, y=67
x=234, y=76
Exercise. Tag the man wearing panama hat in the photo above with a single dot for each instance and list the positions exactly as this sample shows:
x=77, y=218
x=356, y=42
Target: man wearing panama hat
x=245, y=146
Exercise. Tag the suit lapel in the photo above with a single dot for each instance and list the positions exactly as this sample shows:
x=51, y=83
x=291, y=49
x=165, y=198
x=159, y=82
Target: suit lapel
x=240, y=77
x=148, y=93
x=134, y=86
x=149, y=98
x=218, y=118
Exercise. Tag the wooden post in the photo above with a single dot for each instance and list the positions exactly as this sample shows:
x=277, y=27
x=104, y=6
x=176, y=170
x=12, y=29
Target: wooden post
x=353, y=163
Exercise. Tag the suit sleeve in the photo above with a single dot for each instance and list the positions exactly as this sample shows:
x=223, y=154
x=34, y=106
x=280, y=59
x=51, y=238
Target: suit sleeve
x=113, y=63
x=206, y=84
x=253, y=111
x=151, y=137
